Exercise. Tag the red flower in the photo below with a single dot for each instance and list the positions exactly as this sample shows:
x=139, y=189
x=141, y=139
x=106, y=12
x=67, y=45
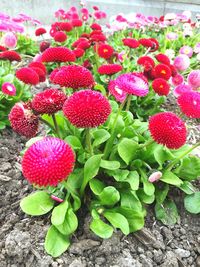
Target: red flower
x=77, y=42
x=65, y=26
x=100, y=37
x=48, y=162
x=23, y=121
x=73, y=77
x=155, y=44
x=87, y=64
x=131, y=42
x=38, y=65
x=147, y=62
x=96, y=26
x=44, y=45
x=10, y=55
x=163, y=59
x=58, y=54
x=87, y=109
x=162, y=71
x=189, y=103
x=84, y=45
x=173, y=70
x=146, y=42
x=40, y=31
x=40, y=73
x=168, y=129
x=76, y=23
x=49, y=101
x=27, y=75
x=132, y=84
x=105, y=51
x=78, y=52
x=2, y=48
x=85, y=35
x=160, y=86
x=60, y=37
x=109, y=69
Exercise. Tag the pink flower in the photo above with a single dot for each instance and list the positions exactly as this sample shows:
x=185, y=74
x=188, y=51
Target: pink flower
x=57, y=199
x=181, y=88
x=155, y=177
x=194, y=79
x=116, y=91
x=197, y=48
x=172, y=36
x=178, y=79
x=37, y=58
x=121, y=55
x=181, y=62
x=186, y=50
x=8, y=89
x=10, y=40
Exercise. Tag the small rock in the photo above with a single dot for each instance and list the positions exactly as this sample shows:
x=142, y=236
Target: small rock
x=170, y=260
x=182, y=253
x=83, y=245
x=158, y=256
x=167, y=233
x=140, y=250
x=77, y=263
x=126, y=260
x=100, y=260
x=198, y=261
x=5, y=178
x=5, y=166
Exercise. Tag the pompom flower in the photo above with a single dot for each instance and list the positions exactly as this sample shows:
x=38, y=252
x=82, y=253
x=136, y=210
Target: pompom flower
x=131, y=42
x=8, y=89
x=38, y=65
x=48, y=162
x=178, y=79
x=27, y=75
x=10, y=55
x=73, y=76
x=132, y=84
x=78, y=52
x=181, y=62
x=9, y=40
x=168, y=129
x=194, y=79
x=162, y=58
x=44, y=45
x=60, y=37
x=49, y=101
x=87, y=109
x=189, y=103
x=105, y=51
x=162, y=71
x=58, y=54
x=40, y=31
x=40, y=73
x=147, y=62
x=186, y=50
x=181, y=88
x=23, y=121
x=160, y=86
x=116, y=92
x=65, y=26
x=109, y=69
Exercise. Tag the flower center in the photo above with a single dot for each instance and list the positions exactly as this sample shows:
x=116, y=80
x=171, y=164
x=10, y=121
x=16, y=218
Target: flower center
x=163, y=71
x=105, y=50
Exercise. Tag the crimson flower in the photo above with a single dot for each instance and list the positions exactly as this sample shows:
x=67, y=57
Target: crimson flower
x=162, y=71
x=162, y=58
x=147, y=62
x=109, y=69
x=10, y=55
x=189, y=103
x=44, y=45
x=27, y=75
x=58, y=54
x=160, y=86
x=105, y=51
x=87, y=109
x=40, y=31
x=168, y=129
x=60, y=37
x=48, y=162
x=131, y=42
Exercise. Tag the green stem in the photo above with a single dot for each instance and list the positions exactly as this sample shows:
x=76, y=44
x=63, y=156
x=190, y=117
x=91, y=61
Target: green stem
x=171, y=165
x=146, y=144
x=48, y=124
x=55, y=125
x=109, y=144
x=88, y=141
x=128, y=102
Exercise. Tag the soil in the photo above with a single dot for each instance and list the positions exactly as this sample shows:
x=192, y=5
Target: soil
x=22, y=236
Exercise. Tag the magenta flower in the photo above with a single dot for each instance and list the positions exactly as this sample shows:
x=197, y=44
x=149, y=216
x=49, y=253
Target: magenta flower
x=116, y=92
x=186, y=50
x=172, y=36
x=181, y=62
x=9, y=40
x=181, y=88
x=178, y=79
x=194, y=79
x=8, y=89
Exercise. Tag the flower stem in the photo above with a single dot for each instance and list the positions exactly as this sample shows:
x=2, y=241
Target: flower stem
x=48, y=124
x=88, y=141
x=171, y=165
x=128, y=102
x=55, y=125
x=151, y=141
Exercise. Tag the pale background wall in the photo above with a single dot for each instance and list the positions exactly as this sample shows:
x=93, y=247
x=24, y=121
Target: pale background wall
x=44, y=9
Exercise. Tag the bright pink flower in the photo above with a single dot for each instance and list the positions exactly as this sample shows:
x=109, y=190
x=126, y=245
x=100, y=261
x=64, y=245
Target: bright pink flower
x=116, y=91
x=194, y=79
x=181, y=88
x=181, y=62
x=178, y=79
x=8, y=89
x=189, y=103
x=186, y=50
x=10, y=40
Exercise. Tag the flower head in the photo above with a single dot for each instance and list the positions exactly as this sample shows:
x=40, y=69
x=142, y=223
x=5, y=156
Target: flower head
x=10, y=55
x=58, y=54
x=38, y=65
x=44, y=45
x=131, y=42
x=162, y=58
x=181, y=88
x=160, y=86
x=181, y=62
x=162, y=71
x=40, y=31
x=178, y=79
x=116, y=91
x=168, y=129
x=186, y=50
x=60, y=37
x=147, y=62
x=49, y=101
x=48, y=162
x=105, y=51
x=109, y=69
x=155, y=176
x=27, y=75
x=87, y=109
x=8, y=89
x=132, y=84
x=194, y=79
x=189, y=103
x=23, y=121
x=10, y=40
x=78, y=52
x=73, y=76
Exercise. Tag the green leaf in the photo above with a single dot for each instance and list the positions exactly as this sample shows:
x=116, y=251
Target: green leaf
x=33, y=140
x=119, y=125
x=118, y=221
x=133, y=180
x=100, y=88
x=37, y=204
x=147, y=199
x=101, y=229
x=189, y=169
x=192, y=203
x=2, y=125
x=135, y=218
x=170, y=178
x=70, y=223
x=110, y=165
x=129, y=199
x=59, y=212
x=162, y=154
x=74, y=142
x=127, y=149
x=55, y=242
x=149, y=188
x=187, y=187
x=167, y=212
x=109, y=196
x=96, y=186
x=8, y=78
x=100, y=136
x=161, y=193
x=119, y=175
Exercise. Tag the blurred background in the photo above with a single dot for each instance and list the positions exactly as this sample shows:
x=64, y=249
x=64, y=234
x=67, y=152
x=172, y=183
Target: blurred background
x=43, y=10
